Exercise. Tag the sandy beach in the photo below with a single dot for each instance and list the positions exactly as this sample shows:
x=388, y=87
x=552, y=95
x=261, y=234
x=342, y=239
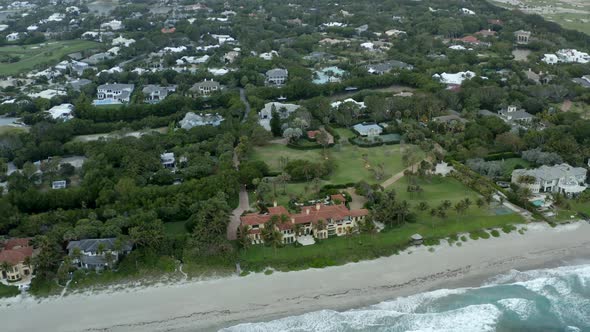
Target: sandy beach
x=213, y=304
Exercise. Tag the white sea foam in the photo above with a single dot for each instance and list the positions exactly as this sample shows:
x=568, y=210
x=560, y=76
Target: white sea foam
x=457, y=310
x=521, y=307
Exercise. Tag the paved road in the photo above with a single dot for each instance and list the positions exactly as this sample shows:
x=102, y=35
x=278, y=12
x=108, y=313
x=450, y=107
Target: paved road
x=245, y=101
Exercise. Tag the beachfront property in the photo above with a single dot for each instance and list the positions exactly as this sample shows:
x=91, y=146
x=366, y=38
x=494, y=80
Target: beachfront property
x=205, y=88
x=563, y=179
x=96, y=254
x=15, y=256
x=368, y=129
x=13, y=36
x=153, y=93
x=276, y=76
x=522, y=37
x=113, y=94
x=320, y=221
x=284, y=110
x=63, y=112
x=192, y=120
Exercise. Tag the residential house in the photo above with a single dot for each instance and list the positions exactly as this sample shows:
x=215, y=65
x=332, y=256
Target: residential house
x=522, y=37
x=451, y=118
x=123, y=41
x=96, y=254
x=320, y=221
x=153, y=93
x=583, y=81
x=368, y=129
x=550, y=59
x=284, y=110
x=386, y=67
x=17, y=254
x=205, y=88
x=76, y=85
x=61, y=184
x=328, y=75
x=276, y=76
x=231, y=56
x=514, y=114
x=13, y=36
x=563, y=179
x=98, y=58
x=113, y=25
x=168, y=160
x=486, y=33
x=567, y=56
x=63, y=112
x=454, y=79
x=192, y=120
x=113, y=94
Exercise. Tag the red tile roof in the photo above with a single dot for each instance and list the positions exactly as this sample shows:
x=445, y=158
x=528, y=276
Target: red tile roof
x=469, y=39
x=15, y=256
x=17, y=242
x=308, y=214
x=311, y=134
x=338, y=197
x=486, y=33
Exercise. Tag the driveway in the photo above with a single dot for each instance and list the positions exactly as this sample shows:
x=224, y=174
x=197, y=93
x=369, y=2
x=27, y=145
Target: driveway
x=234, y=224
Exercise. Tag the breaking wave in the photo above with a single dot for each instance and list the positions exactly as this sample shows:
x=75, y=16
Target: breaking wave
x=555, y=299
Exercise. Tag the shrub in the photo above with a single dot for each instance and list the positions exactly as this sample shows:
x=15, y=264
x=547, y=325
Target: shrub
x=268, y=272
x=495, y=233
x=464, y=238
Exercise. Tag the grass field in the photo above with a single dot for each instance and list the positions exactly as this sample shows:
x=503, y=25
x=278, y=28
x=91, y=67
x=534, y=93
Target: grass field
x=348, y=158
x=8, y=291
x=350, y=166
x=571, y=14
x=512, y=163
x=39, y=55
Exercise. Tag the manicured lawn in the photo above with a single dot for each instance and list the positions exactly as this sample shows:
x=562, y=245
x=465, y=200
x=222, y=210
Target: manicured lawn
x=8, y=291
x=32, y=56
x=350, y=166
x=344, y=133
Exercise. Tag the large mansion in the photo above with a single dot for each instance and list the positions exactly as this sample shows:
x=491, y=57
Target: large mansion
x=563, y=179
x=15, y=255
x=319, y=221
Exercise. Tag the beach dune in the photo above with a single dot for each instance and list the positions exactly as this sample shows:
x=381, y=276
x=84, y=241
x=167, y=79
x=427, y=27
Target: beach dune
x=213, y=304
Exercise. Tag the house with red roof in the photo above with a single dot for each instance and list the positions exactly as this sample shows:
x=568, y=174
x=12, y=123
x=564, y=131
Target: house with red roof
x=321, y=221
x=15, y=255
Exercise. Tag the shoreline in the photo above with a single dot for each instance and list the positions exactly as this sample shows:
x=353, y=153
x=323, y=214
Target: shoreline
x=213, y=304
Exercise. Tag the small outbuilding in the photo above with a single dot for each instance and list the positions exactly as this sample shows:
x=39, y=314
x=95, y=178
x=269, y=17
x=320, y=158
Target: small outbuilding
x=417, y=239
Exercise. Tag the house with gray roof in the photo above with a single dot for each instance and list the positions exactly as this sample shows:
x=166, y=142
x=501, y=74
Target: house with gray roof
x=277, y=76
x=112, y=94
x=205, y=88
x=96, y=254
x=192, y=120
x=368, y=129
x=563, y=179
x=386, y=67
x=513, y=114
x=76, y=85
x=153, y=93
x=583, y=81
x=284, y=110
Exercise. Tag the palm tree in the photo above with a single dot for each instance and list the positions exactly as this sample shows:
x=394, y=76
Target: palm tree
x=243, y=239
x=6, y=267
x=349, y=232
x=423, y=206
x=320, y=225
x=77, y=255
x=298, y=229
x=446, y=204
x=109, y=259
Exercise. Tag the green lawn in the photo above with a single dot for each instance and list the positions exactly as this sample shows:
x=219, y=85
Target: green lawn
x=8, y=291
x=340, y=250
x=44, y=54
x=350, y=166
x=512, y=163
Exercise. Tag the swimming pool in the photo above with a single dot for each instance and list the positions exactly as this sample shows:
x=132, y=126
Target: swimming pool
x=538, y=202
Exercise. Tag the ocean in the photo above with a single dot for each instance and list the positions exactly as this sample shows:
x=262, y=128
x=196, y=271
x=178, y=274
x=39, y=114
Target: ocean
x=545, y=300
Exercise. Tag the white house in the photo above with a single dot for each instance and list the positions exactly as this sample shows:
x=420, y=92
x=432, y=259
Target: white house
x=113, y=94
x=550, y=59
x=13, y=36
x=113, y=25
x=277, y=76
x=62, y=112
x=192, y=120
x=562, y=178
x=466, y=11
x=153, y=93
x=454, y=79
x=61, y=184
x=337, y=104
x=269, y=55
x=168, y=160
x=123, y=41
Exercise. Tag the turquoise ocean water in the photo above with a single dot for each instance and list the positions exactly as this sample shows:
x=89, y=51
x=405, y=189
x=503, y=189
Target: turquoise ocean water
x=546, y=300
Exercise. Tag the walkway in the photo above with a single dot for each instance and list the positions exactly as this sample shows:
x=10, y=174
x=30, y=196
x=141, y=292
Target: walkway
x=234, y=224
x=245, y=101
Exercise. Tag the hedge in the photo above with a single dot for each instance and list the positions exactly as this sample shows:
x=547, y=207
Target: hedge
x=501, y=155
